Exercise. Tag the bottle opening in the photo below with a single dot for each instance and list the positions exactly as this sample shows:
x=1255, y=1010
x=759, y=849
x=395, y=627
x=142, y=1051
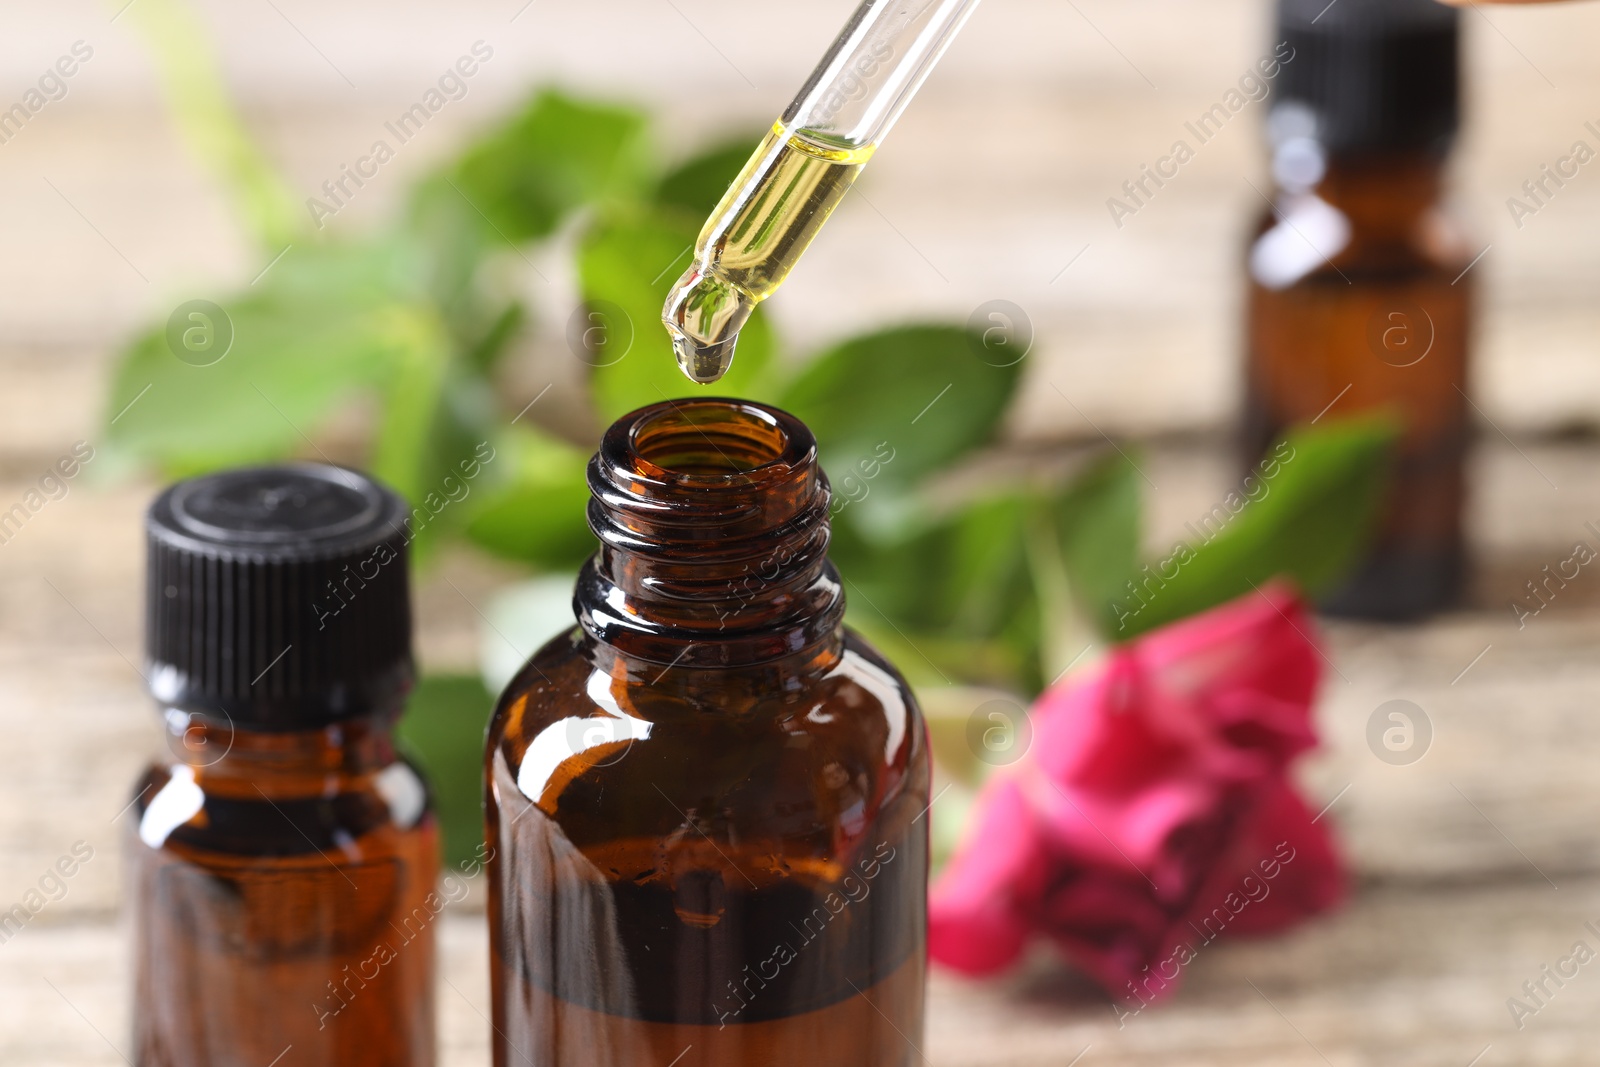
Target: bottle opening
x=712, y=516
x=717, y=442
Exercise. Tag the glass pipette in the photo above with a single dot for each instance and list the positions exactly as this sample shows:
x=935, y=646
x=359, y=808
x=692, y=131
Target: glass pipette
x=801, y=170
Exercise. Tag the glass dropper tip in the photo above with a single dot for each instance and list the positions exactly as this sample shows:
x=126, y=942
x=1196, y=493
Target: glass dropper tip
x=704, y=314
x=702, y=363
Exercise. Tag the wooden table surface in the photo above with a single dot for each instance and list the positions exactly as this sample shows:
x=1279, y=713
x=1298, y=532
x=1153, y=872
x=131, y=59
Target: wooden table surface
x=1476, y=866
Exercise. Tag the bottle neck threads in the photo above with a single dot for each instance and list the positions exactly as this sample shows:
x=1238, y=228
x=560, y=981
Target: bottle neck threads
x=712, y=517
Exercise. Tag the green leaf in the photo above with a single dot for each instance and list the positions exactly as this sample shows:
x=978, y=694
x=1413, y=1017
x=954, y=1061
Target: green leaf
x=556, y=155
x=983, y=583
x=537, y=513
x=479, y=312
x=327, y=322
x=931, y=659
x=456, y=240
x=955, y=581
x=1316, y=497
x=438, y=452
x=408, y=431
x=443, y=731
x=695, y=186
x=1096, y=521
x=920, y=391
x=1004, y=571
x=629, y=263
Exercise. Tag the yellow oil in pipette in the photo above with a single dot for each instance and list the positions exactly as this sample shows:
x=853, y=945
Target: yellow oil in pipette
x=766, y=219
x=801, y=171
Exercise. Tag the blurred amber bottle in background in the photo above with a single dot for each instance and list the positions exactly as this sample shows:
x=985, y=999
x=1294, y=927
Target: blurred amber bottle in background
x=282, y=856
x=706, y=802
x=1360, y=296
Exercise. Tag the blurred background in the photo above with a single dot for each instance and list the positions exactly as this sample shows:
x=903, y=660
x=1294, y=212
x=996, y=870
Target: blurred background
x=993, y=187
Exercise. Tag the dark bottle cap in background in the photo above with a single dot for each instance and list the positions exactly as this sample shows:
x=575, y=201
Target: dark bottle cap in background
x=1377, y=75
x=278, y=596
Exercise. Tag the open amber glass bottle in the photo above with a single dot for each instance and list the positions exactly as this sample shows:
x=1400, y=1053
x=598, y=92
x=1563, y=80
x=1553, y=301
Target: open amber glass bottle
x=1360, y=294
x=282, y=855
x=706, y=803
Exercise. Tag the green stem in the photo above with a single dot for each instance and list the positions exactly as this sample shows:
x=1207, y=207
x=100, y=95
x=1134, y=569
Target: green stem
x=210, y=124
x=1063, y=633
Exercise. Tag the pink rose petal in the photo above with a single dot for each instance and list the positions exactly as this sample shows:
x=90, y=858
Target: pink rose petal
x=1154, y=812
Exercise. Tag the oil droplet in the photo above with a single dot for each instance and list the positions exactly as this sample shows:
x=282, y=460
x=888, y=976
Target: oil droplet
x=704, y=314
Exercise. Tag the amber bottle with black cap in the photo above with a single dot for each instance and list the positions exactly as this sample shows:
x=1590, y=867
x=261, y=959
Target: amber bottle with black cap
x=283, y=855
x=707, y=802
x=1360, y=293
